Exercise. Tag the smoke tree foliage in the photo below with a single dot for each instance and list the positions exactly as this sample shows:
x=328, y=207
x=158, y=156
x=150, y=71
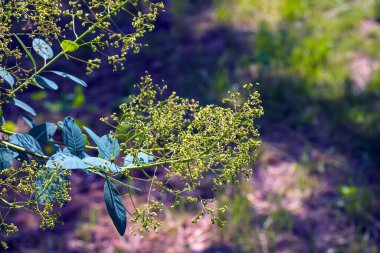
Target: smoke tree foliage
x=169, y=144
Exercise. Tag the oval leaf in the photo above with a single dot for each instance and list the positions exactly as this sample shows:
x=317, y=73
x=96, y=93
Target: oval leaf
x=7, y=77
x=69, y=46
x=6, y=158
x=26, y=141
x=65, y=161
x=71, y=77
x=46, y=83
x=44, y=132
x=128, y=161
x=2, y=119
x=24, y=106
x=101, y=164
x=72, y=136
x=92, y=135
x=145, y=158
x=42, y=49
x=29, y=121
x=108, y=147
x=115, y=207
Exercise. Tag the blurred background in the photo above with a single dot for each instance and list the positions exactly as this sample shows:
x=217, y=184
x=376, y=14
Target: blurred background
x=316, y=181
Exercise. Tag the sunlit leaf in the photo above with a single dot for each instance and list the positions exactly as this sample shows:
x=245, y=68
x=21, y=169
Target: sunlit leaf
x=69, y=46
x=42, y=49
x=7, y=77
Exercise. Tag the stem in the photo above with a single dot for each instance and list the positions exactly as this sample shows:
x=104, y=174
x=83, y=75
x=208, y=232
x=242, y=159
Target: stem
x=87, y=146
x=112, y=179
x=145, y=166
x=24, y=150
x=10, y=204
x=52, y=142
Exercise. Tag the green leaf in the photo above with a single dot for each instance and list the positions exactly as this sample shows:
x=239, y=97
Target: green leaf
x=26, y=141
x=42, y=49
x=115, y=207
x=107, y=146
x=46, y=83
x=7, y=77
x=65, y=161
x=2, y=119
x=6, y=158
x=101, y=164
x=29, y=121
x=44, y=132
x=24, y=106
x=128, y=161
x=145, y=158
x=71, y=77
x=26, y=50
x=92, y=135
x=69, y=46
x=72, y=136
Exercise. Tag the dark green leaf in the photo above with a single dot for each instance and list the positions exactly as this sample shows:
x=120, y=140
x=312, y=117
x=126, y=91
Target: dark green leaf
x=44, y=132
x=6, y=158
x=72, y=136
x=26, y=141
x=2, y=120
x=24, y=106
x=46, y=83
x=115, y=207
x=29, y=121
x=71, y=77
